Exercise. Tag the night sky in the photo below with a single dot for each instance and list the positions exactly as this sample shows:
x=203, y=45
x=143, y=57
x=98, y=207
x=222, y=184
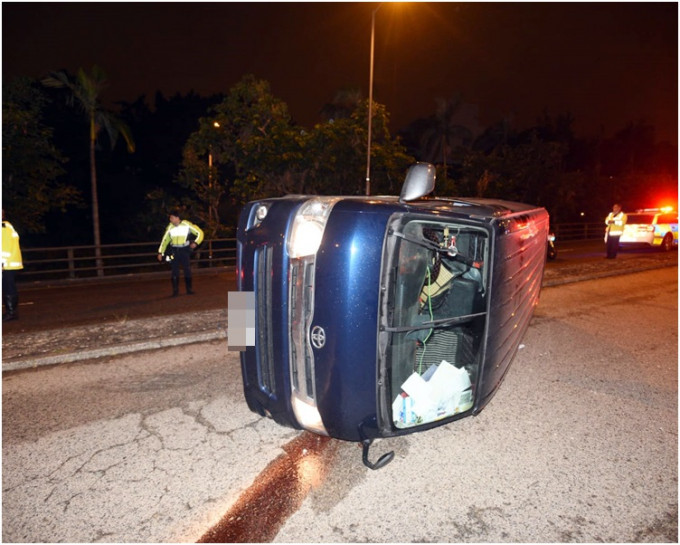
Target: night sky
x=608, y=64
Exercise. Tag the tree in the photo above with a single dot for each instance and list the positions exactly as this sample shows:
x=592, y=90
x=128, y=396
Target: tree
x=338, y=149
x=161, y=133
x=247, y=146
x=521, y=168
x=335, y=151
x=84, y=93
x=344, y=103
x=31, y=165
x=446, y=133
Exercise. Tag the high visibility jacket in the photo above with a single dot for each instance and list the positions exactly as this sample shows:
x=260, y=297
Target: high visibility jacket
x=180, y=235
x=11, y=251
x=615, y=223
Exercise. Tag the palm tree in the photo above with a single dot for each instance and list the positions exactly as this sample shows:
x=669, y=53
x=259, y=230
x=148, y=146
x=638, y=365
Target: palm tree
x=84, y=93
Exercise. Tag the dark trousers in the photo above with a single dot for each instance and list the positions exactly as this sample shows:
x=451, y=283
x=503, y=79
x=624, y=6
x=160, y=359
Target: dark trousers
x=612, y=246
x=182, y=259
x=182, y=256
x=9, y=287
x=10, y=296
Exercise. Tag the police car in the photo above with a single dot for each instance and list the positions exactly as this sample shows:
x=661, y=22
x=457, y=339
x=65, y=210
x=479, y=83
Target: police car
x=656, y=227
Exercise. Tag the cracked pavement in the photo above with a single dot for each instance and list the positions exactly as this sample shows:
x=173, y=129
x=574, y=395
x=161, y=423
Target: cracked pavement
x=104, y=471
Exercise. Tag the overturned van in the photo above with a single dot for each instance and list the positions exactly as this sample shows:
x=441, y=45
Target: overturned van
x=381, y=316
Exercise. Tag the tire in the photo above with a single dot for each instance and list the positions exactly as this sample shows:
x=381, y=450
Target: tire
x=667, y=242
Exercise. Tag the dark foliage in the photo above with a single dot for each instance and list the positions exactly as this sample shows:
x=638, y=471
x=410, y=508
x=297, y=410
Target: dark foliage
x=545, y=164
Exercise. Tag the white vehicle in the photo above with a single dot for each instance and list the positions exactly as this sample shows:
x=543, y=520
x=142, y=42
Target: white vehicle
x=656, y=227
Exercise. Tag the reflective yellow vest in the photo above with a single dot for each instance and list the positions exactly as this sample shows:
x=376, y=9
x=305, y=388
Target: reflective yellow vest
x=615, y=223
x=11, y=251
x=179, y=235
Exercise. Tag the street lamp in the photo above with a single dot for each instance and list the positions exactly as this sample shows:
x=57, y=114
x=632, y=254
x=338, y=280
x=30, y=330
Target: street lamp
x=212, y=209
x=210, y=158
x=370, y=103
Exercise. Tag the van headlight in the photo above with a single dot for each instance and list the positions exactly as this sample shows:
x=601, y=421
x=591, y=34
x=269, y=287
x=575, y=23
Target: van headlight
x=307, y=415
x=308, y=226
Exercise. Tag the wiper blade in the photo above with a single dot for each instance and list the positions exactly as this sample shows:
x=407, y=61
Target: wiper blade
x=435, y=323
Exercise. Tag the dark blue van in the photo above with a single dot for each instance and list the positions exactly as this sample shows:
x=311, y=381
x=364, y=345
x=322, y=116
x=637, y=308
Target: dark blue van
x=380, y=316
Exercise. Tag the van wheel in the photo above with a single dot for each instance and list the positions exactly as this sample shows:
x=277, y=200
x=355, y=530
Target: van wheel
x=667, y=243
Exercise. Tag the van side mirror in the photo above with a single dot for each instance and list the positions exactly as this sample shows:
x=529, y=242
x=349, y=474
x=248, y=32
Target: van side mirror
x=419, y=182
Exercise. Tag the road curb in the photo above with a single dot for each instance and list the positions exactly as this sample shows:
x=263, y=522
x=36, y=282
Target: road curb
x=115, y=350
x=560, y=281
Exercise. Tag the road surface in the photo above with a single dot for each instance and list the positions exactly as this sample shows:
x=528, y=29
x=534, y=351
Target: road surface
x=579, y=444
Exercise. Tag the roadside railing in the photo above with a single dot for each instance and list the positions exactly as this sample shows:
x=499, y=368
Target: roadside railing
x=79, y=262
x=578, y=231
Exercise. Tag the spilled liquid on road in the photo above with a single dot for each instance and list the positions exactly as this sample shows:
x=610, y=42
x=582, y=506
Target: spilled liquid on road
x=276, y=493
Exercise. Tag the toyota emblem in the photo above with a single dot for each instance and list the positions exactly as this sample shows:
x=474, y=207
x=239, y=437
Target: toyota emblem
x=318, y=337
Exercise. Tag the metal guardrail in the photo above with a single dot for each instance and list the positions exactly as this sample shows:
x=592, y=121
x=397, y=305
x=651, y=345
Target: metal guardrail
x=578, y=231
x=79, y=262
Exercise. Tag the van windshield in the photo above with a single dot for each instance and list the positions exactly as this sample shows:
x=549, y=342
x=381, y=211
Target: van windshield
x=436, y=323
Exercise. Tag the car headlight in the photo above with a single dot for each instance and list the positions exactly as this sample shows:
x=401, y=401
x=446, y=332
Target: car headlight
x=308, y=415
x=308, y=226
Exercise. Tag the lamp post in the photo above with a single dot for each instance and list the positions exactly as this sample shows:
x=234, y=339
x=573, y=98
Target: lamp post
x=210, y=158
x=213, y=217
x=370, y=103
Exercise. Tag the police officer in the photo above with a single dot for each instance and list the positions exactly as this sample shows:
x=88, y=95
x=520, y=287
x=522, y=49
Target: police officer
x=181, y=237
x=615, y=221
x=11, y=263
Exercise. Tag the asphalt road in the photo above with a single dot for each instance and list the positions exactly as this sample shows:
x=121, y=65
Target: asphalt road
x=58, y=305
x=578, y=445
